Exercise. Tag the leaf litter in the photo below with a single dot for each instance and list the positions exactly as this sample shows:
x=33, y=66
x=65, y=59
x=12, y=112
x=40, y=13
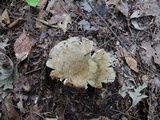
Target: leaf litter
x=132, y=39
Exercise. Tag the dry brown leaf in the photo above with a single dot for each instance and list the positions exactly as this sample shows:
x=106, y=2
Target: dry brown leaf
x=4, y=19
x=132, y=63
x=22, y=46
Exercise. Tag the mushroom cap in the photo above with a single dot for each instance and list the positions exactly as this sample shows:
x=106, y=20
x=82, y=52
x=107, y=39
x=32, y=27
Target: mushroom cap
x=72, y=62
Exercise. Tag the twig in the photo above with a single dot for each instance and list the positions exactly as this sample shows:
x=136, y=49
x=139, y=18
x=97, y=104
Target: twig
x=44, y=22
x=32, y=71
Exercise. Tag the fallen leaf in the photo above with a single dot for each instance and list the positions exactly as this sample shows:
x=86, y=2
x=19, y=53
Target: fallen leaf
x=60, y=6
x=11, y=111
x=62, y=12
x=147, y=52
x=42, y=3
x=35, y=109
x=132, y=63
x=22, y=46
x=83, y=24
x=3, y=44
x=136, y=95
x=156, y=55
x=156, y=81
x=62, y=21
x=4, y=19
x=150, y=52
x=22, y=84
x=6, y=71
x=146, y=8
x=85, y=6
x=121, y=5
x=20, y=103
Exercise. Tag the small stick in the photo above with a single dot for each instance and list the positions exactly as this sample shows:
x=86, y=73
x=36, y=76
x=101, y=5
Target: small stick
x=32, y=71
x=44, y=22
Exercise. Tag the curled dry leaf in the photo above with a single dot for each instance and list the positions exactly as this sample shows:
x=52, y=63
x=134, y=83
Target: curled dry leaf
x=72, y=62
x=4, y=19
x=22, y=46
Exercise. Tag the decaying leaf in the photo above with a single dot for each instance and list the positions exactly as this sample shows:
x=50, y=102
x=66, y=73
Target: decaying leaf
x=146, y=8
x=6, y=70
x=41, y=4
x=4, y=19
x=62, y=12
x=83, y=24
x=85, y=6
x=10, y=109
x=136, y=95
x=22, y=46
x=137, y=25
x=120, y=5
x=62, y=20
x=3, y=44
x=156, y=55
x=150, y=52
x=72, y=62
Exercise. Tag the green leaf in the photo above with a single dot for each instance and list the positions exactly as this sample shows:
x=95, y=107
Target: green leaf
x=32, y=2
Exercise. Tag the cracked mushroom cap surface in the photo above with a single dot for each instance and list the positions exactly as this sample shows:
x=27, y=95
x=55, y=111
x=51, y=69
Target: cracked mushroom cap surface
x=72, y=62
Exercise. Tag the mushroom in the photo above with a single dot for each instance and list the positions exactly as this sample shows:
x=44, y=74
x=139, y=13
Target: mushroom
x=74, y=65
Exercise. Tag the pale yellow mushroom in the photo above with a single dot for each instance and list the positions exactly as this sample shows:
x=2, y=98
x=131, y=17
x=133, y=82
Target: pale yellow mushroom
x=72, y=62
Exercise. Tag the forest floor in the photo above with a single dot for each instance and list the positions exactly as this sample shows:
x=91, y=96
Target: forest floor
x=127, y=29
